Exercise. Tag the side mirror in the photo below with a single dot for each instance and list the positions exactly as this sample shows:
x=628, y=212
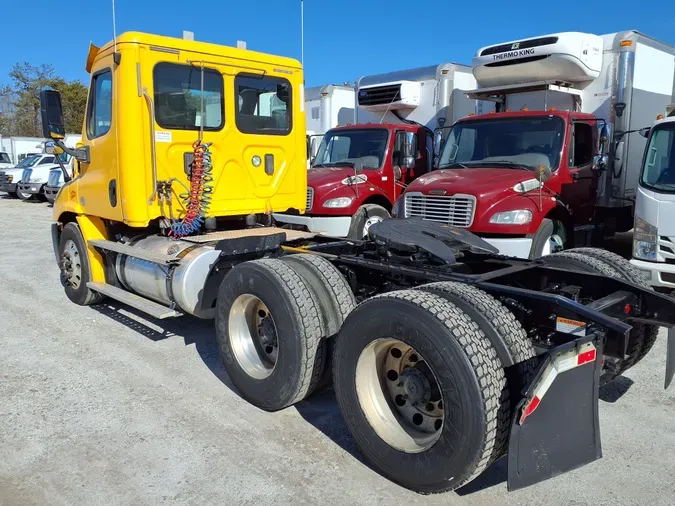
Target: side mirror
x=50, y=148
x=52, y=115
x=600, y=163
x=543, y=173
x=409, y=162
x=408, y=143
x=603, y=135
x=644, y=132
x=438, y=138
x=619, y=107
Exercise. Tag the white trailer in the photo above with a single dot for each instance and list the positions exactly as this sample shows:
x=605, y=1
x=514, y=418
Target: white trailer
x=326, y=107
x=431, y=96
x=19, y=147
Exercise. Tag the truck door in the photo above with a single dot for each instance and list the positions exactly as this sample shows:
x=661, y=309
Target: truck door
x=580, y=194
x=97, y=180
x=267, y=151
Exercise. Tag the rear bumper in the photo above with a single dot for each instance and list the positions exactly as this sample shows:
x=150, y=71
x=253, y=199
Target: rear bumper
x=31, y=188
x=519, y=248
x=335, y=226
x=8, y=187
x=657, y=273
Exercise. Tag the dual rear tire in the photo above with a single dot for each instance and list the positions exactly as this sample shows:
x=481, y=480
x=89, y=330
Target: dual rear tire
x=598, y=261
x=418, y=381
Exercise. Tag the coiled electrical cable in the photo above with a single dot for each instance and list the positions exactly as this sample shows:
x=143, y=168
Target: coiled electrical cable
x=198, y=200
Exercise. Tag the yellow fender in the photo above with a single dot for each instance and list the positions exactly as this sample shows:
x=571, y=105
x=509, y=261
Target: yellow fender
x=93, y=228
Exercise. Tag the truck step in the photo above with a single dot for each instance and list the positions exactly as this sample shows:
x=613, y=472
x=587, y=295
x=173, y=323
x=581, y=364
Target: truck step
x=136, y=301
x=132, y=251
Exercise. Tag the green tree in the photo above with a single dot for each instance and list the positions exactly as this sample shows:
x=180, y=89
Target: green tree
x=20, y=100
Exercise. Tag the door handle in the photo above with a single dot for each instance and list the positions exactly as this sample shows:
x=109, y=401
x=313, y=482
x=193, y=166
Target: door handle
x=269, y=164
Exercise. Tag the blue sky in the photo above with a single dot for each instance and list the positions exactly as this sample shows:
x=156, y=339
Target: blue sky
x=344, y=39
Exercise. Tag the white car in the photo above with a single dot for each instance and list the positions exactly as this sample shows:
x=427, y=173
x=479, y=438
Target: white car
x=55, y=182
x=9, y=178
x=34, y=176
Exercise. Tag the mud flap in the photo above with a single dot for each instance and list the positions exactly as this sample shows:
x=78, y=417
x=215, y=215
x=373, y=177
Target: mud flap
x=560, y=431
x=670, y=357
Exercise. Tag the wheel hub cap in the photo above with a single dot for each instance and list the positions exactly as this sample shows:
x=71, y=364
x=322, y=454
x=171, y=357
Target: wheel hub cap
x=253, y=336
x=399, y=395
x=71, y=265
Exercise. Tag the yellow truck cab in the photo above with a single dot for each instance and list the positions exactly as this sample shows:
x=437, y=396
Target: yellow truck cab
x=151, y=97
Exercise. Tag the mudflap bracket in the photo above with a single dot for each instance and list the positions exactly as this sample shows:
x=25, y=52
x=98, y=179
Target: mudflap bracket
x=556, y=427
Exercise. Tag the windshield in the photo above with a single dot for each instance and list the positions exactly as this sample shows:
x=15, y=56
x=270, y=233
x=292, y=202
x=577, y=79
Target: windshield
x=659, y=167
x=29, y=161
x=4, y=158
x=523, y=143
x=364, y=149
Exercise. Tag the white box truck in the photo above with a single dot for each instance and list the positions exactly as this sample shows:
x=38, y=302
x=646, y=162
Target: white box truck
x=361, y=168
x=654, y=230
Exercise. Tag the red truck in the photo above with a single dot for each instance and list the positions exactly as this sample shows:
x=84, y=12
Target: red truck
x=361, y=169
x=533, y=175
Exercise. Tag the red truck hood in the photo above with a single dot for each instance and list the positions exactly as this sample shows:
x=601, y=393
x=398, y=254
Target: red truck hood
x=473, y=181
x=328, y=176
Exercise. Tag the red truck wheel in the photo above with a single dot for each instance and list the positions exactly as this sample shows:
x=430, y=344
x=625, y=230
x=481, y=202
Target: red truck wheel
x=549, y=238
x=366, y=216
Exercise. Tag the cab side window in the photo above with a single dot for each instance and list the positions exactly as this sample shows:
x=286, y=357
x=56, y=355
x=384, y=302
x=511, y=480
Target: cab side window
x=46, y=160
x=583, y=145
x=99, y=108
x=263, y=104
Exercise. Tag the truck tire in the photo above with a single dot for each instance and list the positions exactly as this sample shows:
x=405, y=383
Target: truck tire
x=418, y=384
x=268, y=329
x=549, y=238
x=584, y=262
x=498, y=323
x=628, y=272
x=334, y=297
x=365, y=216
x=74, y=265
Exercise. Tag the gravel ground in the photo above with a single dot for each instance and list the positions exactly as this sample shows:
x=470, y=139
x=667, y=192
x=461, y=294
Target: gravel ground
x=100, y=406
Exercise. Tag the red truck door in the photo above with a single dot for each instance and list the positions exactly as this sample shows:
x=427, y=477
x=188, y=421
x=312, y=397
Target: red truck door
x=580, y=194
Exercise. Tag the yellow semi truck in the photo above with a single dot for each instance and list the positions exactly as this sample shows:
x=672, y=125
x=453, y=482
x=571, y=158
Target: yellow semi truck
x=454, y=356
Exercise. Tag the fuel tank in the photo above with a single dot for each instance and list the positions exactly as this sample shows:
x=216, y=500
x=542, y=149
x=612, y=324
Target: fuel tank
x=183, y=284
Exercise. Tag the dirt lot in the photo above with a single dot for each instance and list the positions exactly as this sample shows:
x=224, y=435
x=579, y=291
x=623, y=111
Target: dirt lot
x=100, y=406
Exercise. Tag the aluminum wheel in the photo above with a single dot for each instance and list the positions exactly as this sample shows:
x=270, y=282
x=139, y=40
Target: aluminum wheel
x=71, y=264
x=370, y=222
x=553, y=245
x=253, y=336
x=399, y=395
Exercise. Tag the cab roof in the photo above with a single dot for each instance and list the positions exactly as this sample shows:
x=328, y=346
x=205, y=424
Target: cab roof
x=194, y=46
x=528, y=114
x=384, y=125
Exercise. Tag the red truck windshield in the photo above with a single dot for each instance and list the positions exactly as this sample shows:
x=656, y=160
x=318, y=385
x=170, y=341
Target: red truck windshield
x=362, y=149
x=521, y=143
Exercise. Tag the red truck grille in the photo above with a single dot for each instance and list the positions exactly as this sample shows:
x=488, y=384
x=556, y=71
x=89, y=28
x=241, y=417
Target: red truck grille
x=456, y=210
